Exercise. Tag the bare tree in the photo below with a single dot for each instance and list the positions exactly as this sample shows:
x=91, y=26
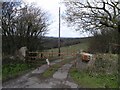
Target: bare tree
x=91, y=16
x=32, y=23
x=8, y=25
x=23, y=25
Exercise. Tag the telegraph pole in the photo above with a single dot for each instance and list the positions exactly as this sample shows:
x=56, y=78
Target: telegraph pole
x=59, y=35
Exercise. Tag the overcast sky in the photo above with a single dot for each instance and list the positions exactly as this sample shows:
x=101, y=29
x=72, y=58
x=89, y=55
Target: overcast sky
x=52, y=7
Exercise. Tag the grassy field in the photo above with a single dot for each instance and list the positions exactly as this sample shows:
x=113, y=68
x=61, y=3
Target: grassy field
x=70, y=49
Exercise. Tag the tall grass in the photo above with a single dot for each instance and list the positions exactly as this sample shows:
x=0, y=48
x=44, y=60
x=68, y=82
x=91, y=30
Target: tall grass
x=10, y=71
x=87, y=80
x=103, y=73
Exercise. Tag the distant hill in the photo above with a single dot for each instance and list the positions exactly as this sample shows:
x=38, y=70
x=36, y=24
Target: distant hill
x=52, y=42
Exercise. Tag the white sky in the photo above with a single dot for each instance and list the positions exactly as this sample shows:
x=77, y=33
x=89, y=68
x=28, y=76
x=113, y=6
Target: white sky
x=52, y=7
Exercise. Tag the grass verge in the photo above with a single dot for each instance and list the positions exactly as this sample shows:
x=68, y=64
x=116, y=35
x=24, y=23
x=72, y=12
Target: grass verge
x=14, y=70
x=87, y=80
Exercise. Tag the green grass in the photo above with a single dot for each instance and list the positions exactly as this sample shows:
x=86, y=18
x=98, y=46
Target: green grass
x=51, y=70
x=69, y=49
x=12, y=70
x=76, y=47
x=87, y=80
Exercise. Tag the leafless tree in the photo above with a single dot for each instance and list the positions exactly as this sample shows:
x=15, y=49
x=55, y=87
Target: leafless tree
x=92, y=16
x=23, y=25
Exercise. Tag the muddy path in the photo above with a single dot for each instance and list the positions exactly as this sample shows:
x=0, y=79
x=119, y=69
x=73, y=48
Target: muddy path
x=60, y=79
x=32, y=79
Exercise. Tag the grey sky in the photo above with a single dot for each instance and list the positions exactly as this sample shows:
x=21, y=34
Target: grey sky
x=52, y=7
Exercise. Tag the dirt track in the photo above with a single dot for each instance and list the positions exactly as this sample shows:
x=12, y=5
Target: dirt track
x=32, y=79
x=60, y=78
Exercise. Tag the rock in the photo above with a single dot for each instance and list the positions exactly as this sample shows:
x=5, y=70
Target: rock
x=21, y=53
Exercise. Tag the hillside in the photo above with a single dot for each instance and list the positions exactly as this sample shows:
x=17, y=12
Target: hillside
x=52, y=42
